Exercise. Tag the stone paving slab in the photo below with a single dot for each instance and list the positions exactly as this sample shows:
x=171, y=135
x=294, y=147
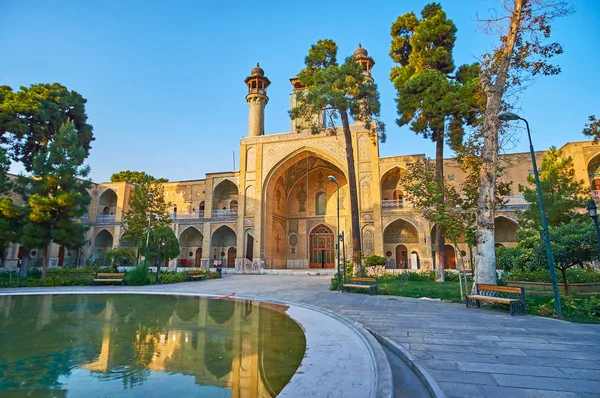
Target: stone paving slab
x=488, y=352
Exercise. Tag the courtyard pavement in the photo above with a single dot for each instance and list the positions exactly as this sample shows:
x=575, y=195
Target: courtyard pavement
x=470, y=352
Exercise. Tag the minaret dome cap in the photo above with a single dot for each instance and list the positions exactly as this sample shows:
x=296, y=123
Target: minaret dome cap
x=360, y=51
x=257, y=71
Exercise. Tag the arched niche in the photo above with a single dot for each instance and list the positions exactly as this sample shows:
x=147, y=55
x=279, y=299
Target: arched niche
x=400, y=231
x=505, y=230
x=224, y=193
x=191, y=237
x=107, y=203
x=392, y=196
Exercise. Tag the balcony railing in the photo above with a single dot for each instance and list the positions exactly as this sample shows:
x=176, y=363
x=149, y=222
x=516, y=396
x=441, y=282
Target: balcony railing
x=105, y=219
x=596, y=195
x=392, y=204
x=224, y=213
x=514, y=202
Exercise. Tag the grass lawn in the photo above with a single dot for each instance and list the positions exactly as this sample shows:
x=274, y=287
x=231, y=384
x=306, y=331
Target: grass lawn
x=581, y=309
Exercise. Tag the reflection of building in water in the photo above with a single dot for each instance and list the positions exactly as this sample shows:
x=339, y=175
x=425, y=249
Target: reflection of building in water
x=220, y=343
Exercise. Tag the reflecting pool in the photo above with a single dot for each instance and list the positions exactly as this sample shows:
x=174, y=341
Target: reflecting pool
x=145, y=346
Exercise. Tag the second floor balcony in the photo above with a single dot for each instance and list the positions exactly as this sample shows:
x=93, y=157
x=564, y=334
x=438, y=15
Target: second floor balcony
x=225, y=213
x=191, y=215
x=105, y=219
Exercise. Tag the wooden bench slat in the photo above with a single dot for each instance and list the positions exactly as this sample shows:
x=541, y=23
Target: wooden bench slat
x=502, y=289
x=353, y=279
x=357, y=286
x=115, y=274
x=492, y=299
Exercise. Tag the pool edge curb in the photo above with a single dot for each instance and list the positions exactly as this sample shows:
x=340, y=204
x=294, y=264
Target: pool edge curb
x=413, y=363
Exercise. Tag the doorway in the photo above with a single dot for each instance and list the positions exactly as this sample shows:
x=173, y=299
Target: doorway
x=401, y=256
x=198, y=259
x=231, y=257
x=322, y=248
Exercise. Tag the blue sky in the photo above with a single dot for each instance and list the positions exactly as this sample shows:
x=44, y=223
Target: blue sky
x=165, y=80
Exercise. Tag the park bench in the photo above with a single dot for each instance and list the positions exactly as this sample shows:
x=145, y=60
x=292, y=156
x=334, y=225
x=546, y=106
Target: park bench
x=361, y=283
x=495, y=294
x=195, y=275
x=110, y=277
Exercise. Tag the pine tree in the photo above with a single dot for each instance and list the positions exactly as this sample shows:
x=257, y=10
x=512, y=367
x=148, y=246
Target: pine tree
x=56, y=194
x=11, y=214
x=30, y=117
x=343, y=90
x=428, y=97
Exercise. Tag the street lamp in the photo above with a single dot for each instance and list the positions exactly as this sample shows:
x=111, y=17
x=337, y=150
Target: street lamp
x=150, y=196
x=332, y=179
x=593, y=213
x=161, y=245
x=508, y=116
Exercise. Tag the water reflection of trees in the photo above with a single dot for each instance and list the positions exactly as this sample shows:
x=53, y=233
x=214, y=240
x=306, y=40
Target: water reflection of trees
x=128, y=337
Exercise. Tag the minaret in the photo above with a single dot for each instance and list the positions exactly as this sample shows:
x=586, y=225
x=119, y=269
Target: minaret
x=303, y=124
x=362, y=57
x=257, y=100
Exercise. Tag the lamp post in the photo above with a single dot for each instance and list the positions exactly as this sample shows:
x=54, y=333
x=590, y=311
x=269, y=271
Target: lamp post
x=220, y=268
x=332, y=179
x=150, y=196
x=507, y=116
x=593, y=213
x=161, y=245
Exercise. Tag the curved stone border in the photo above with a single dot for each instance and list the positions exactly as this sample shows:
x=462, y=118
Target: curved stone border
x=334, y=365
x=414, y=364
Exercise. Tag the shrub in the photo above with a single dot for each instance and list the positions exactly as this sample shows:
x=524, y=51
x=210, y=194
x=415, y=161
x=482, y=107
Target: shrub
x=574, y=275
x=172, y=277
x=334, y=283
x=215, y=275
x=139, y=276
x=583, y=309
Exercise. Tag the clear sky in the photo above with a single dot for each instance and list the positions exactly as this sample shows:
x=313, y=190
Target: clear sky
x=164, y=80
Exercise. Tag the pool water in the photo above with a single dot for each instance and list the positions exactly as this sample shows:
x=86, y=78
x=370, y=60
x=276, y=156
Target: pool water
x=145, y=346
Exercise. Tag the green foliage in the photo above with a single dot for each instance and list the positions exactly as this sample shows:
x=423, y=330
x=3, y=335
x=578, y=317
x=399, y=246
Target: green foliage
x=577, y=309
x=374, y=260
x=135, y=177
x=164, y=237
x=215, y=275
x=139, y=276
x=509, y=258
x=592, y=129
x=11, y=215
x=119, y=256
x=427, y=97
x=574, y=275
x=172, y=277
x=32, y=116
x=341, y=89
x=56, y=194
x=140, y=203
x=563, y=195
x=334, y=282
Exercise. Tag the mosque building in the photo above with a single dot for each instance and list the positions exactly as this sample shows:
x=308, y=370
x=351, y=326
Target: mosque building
x=279, y=211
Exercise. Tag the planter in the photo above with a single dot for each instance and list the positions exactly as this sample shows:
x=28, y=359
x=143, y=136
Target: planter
x=546, y=288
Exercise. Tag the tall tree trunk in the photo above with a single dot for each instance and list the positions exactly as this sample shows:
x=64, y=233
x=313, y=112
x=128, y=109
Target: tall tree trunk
x=440, y=240
x=356, y=247
x=563, y=271
x=24, y=265
x=485, y=258
x=45, y=262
